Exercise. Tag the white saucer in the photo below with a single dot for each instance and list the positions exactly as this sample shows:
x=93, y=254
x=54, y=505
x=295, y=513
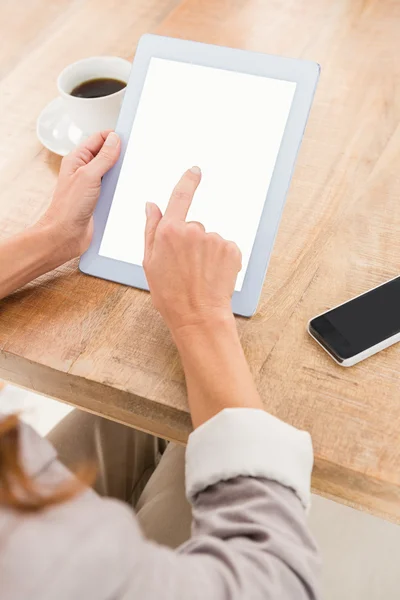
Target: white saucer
x=55, y=129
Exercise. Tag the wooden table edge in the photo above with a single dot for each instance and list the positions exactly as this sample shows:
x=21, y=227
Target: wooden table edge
x=358, y=490
x=361, y=491
x=98, y=398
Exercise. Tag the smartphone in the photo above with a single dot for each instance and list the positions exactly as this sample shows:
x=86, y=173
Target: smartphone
x=360, y=327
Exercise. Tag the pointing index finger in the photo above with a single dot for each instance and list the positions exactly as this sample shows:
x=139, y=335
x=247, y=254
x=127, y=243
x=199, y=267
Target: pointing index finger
x=182, y=195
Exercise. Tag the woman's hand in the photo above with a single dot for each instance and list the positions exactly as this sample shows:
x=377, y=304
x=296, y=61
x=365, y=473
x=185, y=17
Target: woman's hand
x=192, y=277
x=66, y=229
x=69, y=219
x=191, y=273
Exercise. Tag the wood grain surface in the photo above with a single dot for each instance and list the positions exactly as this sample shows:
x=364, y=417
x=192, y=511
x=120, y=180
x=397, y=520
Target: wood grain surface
x=102, y=346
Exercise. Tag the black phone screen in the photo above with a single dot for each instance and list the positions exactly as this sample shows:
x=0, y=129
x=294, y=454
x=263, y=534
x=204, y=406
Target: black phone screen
x=360, y=323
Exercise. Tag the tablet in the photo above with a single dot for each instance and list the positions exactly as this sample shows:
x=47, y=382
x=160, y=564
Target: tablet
x=239, y=116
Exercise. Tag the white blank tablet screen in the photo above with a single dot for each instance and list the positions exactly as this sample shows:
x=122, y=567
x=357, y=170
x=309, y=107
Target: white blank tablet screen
x=229, y=124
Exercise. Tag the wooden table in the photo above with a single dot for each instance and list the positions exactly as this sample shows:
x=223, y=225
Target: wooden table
x=102, y=346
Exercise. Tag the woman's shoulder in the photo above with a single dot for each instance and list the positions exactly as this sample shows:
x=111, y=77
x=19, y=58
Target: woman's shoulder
x=71, y=550
x=77, y=549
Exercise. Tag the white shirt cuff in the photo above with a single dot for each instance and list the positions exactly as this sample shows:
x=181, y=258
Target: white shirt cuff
x=252, y=443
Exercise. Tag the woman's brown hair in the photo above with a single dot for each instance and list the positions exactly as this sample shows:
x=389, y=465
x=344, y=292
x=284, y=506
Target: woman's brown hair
x=17, y=489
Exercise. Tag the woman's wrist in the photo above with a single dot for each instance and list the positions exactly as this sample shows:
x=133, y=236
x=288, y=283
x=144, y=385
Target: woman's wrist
x=28, y=255
x=59, y=239
x=53, y=248
x=206, y=324
x=217, y=374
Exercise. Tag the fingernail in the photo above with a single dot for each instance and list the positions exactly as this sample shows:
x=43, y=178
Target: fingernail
x=196, y=170
x=112, y=139
x=148, y=209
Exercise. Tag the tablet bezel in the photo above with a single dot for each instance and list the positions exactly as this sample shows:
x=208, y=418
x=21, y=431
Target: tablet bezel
x=304, y=73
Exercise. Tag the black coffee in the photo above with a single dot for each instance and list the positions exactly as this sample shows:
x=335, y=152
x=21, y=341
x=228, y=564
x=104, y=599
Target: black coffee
x=95, y=88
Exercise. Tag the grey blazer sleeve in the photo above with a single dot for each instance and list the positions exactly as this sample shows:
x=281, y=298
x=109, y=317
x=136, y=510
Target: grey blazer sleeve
x=257, y=529
x=248, y=478
x=250, y=541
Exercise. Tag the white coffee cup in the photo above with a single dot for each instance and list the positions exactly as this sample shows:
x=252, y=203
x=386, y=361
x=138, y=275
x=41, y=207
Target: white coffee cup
x=93, y=114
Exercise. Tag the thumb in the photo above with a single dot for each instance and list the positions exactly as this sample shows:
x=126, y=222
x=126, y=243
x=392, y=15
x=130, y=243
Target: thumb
x=106, y=157
x=153, y=217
